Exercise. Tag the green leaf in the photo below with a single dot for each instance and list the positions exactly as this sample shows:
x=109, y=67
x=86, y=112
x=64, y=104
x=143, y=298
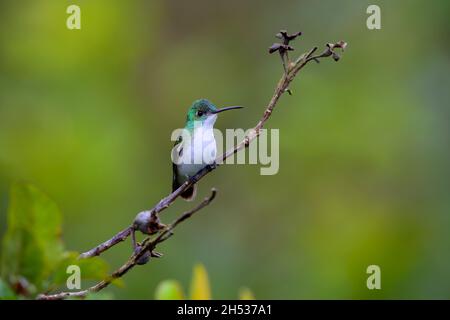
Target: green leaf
x=32, y=247
x=200, y=289
x=169, y=290
x=5, y=291
x=90, y=269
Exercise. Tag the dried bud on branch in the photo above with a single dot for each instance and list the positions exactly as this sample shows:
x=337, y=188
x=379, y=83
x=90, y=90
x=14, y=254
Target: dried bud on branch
x=283, y=35
x=330, y=50
x=147, y=223
x=284, y=47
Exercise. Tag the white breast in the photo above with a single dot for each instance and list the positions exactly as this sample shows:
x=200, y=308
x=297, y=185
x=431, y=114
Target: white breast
x=198, y=151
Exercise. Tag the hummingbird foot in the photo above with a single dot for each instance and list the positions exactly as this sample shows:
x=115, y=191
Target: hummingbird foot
x=212, y=166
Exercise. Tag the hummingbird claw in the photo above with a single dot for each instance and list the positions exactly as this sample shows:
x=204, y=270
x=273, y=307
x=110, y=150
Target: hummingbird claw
x=212, y=166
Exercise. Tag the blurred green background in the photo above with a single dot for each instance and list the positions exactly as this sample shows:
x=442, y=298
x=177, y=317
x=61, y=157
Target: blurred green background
x=364, y=174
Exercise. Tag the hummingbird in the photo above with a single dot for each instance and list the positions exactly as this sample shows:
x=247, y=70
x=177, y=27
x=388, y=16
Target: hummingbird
x=196, y=147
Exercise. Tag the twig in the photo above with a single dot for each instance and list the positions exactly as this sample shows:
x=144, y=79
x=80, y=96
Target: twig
x=121, y=236
x=145, y=250
x=146, y=247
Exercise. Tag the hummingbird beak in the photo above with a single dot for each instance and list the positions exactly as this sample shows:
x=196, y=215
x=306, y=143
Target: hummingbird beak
x=227, y=108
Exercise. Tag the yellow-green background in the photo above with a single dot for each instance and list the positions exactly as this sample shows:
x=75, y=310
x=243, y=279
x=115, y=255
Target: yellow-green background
x=364, y=143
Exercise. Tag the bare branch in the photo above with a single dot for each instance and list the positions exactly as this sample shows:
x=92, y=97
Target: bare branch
x=119, y=237
x=146, y=250
x=147, y=246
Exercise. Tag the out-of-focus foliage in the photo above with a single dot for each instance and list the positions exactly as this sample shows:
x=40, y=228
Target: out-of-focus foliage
x=246, y=294
x=169, y=290
x=33, y=259
x=86, y=115
x=91, y=269
x=199, y=288
x=5, y=291
x=31, y=247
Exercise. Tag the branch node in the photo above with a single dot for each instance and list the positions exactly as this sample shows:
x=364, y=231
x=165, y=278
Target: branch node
x=145, y=256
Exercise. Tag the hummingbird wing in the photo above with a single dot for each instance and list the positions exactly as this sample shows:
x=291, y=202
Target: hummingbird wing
x=179, y=150
x=189, y=193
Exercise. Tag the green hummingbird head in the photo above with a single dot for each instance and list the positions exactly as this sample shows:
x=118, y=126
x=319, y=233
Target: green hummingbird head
x=203, y=111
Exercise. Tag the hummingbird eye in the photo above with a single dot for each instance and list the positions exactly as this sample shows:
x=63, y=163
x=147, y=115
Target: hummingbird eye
x=199, y=113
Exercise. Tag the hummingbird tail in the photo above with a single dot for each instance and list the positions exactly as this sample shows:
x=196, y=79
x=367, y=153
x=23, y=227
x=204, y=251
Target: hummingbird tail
x=189, y=194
